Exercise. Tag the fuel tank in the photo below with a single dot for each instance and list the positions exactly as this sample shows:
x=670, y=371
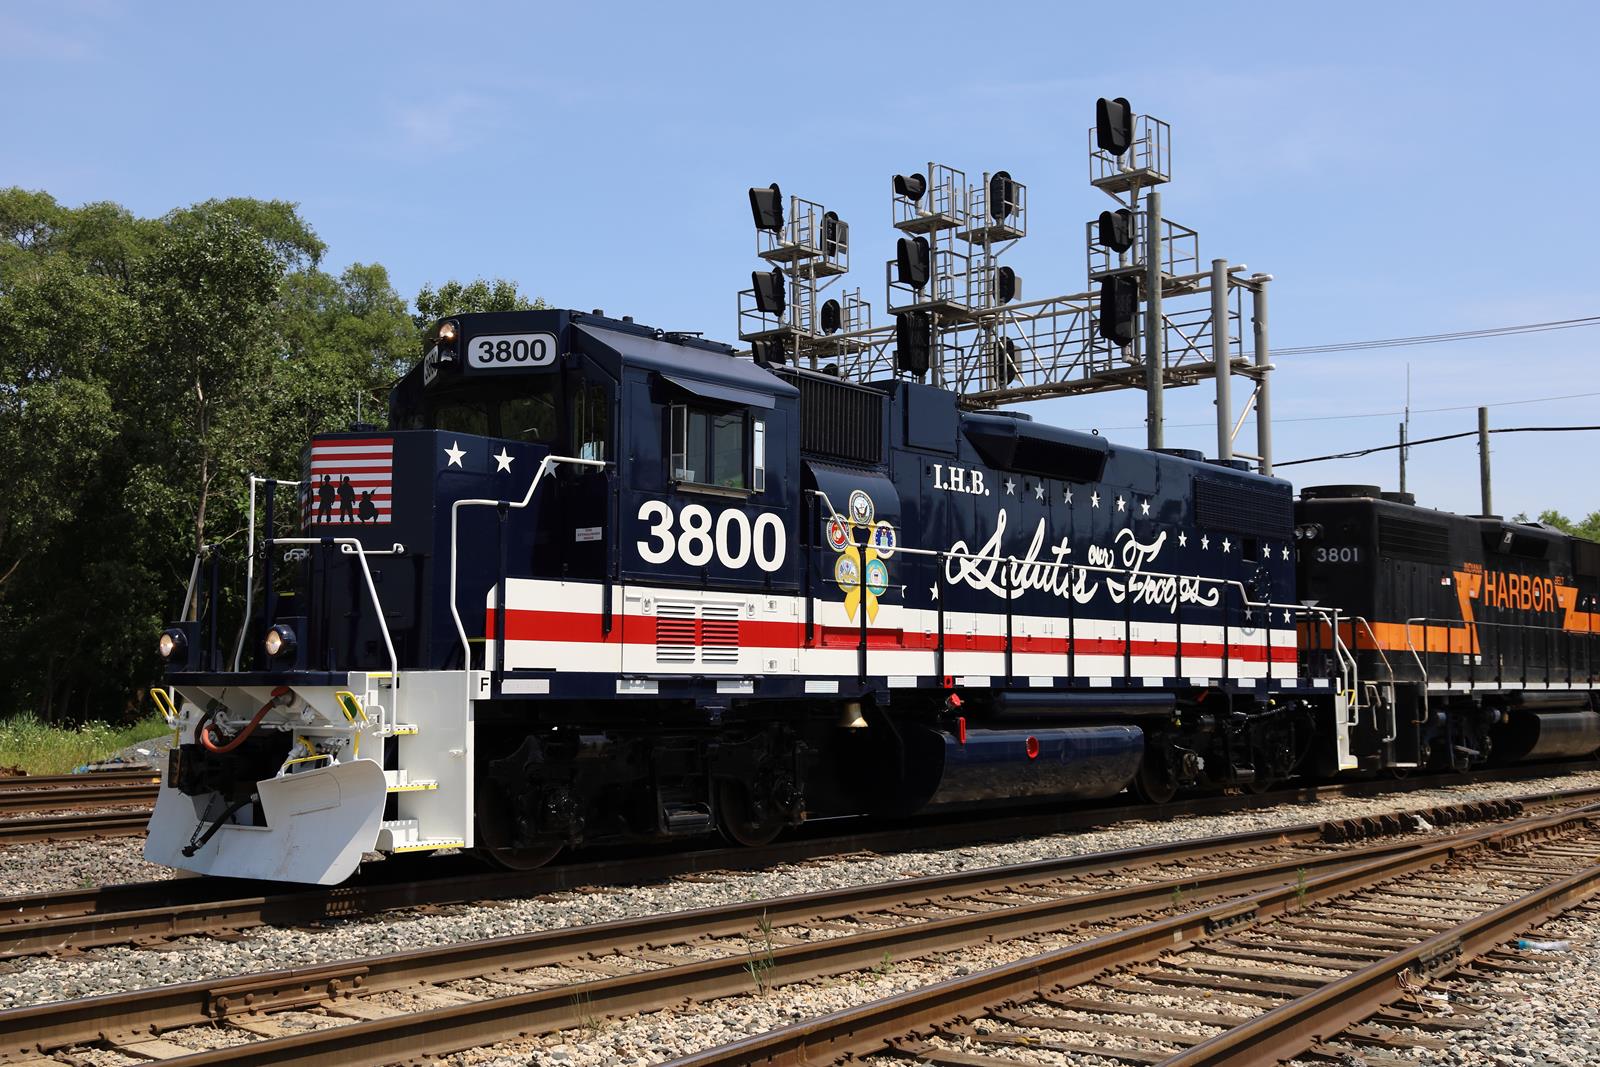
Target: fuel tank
x=980, y=767
x=1548, y=735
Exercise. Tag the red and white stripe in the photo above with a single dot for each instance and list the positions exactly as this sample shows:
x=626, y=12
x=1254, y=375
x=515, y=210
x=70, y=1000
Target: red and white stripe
x=552, y=625
x=369, y=465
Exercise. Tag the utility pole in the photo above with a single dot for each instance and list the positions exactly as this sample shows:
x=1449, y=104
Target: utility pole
x=1221, y=357
x=1154, y=325
x=1402, y=457
x=1263, y=376
x=1483, y=459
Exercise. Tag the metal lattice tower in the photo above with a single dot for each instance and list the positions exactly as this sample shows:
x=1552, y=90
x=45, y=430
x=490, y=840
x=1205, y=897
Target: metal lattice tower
x=989, y=345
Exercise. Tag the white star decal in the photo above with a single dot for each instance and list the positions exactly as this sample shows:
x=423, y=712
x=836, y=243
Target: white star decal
x=1011, y=487
x=1094, y=499
x=1122, y=504
x=1038, y=491
x=1068, y=494
x=1183, y=539
x=1286, y=616
x=1249, y=614
x=1205, y=541
x=1285, y=551
x=504, y=459
x=933, y=591
x=1225, y=545
x=1144, y=507
x=455, y=452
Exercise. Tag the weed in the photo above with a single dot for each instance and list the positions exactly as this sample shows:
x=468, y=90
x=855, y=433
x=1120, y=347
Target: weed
x=39, y=748
x=1300, y=886
x=885, y=965
x=583, y=1007
x=760, y=968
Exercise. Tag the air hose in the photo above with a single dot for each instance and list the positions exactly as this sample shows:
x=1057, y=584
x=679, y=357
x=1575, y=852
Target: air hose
x=203, y=733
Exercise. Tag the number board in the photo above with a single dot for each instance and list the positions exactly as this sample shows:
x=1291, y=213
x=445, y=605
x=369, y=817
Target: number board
x=511, y=351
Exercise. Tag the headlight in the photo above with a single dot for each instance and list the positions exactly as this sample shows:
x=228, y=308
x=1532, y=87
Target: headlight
x=172, y=643
x=280, y=640
x=447, y=334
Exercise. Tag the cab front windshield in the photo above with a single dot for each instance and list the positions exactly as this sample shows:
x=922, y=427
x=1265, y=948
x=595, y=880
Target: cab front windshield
x=525, y=412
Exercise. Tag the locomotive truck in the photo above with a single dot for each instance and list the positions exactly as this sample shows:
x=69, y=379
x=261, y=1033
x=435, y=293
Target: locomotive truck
x=601, y=582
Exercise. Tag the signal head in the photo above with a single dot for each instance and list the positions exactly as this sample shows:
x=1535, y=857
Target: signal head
x=1119, y=309
x=910, y=186
x=832, y=316
x=769, y=287
x=1113, y=125
x=912, y=261
x=1115, y=230
x=766, y=208
x=1006, y=284
x=1002, y=196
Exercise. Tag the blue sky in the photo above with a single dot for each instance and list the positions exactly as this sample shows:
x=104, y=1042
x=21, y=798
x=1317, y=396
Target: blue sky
x=1400, y=168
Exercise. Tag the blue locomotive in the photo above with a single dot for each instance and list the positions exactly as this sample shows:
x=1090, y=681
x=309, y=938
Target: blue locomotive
x=601, y=582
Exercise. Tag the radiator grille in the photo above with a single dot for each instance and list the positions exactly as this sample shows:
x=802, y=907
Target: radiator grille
x=687, y=632
x=719, y=633
x=839, y=419
x=675, y=632
x=1243, y=507
x=1425, y=542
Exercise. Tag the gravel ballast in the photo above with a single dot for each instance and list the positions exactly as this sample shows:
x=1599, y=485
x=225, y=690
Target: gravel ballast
x=70, y=864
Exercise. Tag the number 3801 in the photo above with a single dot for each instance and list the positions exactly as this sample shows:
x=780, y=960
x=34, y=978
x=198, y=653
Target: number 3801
x=693, y=536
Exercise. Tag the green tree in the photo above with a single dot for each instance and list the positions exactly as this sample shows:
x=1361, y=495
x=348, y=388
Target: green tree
x=1588, y=527
x=147, y=367
x=453, y=298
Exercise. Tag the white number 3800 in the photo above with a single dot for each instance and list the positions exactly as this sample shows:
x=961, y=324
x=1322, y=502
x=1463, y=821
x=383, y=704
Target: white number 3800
x=694, y=537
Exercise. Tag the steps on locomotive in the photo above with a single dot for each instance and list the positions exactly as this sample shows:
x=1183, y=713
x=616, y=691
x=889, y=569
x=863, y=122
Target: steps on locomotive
x=429, y=779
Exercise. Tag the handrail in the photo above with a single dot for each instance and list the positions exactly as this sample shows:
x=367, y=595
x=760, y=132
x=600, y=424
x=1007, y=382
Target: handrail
x=350, y=546
x=547, y=464
x=250, y=567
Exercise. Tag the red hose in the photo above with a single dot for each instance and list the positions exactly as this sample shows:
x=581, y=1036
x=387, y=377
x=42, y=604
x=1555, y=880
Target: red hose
x=278, y=696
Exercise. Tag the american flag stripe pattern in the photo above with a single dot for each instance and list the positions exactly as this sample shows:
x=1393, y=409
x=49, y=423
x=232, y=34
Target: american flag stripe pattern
x=349, y=481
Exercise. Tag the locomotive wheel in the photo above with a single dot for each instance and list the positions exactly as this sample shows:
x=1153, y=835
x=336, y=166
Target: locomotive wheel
x=495, y=836
x=1154, y=784
x=739, y=823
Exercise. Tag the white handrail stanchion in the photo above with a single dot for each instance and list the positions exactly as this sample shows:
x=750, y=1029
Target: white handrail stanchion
x=545, y=465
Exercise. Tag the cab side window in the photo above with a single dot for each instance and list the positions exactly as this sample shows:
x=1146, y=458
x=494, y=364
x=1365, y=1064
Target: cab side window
x=591, y=420
x=722, y=449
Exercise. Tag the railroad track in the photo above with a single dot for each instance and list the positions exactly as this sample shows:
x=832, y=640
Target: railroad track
x=72, y=827
x=1331, y=966
x=151, y=912
x=145, y=776
x=434, y=1000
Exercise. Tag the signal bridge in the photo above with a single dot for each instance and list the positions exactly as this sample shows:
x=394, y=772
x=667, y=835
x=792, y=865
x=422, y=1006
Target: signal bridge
x=1157, y=316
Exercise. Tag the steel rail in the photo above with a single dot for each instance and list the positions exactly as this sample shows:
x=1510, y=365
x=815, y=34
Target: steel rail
x=869, y=1028
x=89, y=796
x=1293, y=1028
x=109, y=915
x=65, y=1022
x=28, y=1030
x=87, y=778
x=72, y=827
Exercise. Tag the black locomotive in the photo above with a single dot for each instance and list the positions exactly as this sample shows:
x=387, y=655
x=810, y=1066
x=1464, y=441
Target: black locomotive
x=598, y=581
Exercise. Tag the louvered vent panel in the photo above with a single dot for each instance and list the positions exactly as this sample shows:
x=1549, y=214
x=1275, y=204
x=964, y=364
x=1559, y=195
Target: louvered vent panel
x=719, y=630
x=1257, y=509
x=675, y=632
x=1425, y=542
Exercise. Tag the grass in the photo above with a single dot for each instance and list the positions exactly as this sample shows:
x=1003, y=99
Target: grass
x=40, y=748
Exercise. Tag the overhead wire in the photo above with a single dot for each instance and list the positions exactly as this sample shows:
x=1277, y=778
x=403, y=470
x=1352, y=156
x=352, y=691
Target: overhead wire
x=1357, y=453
